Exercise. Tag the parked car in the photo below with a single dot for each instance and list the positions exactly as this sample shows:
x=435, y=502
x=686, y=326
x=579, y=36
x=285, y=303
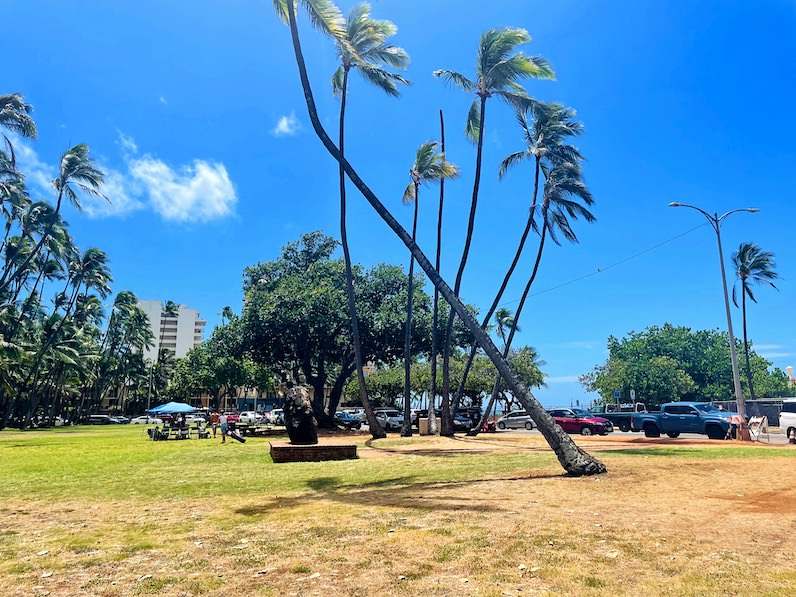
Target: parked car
x=357, y=412
x=620, y=415
x=516, y=419
x=146, y=420
x=577, y=420
x=787, y=418
x=390, y=419
x=195, y=419
x=119, y=420
x=277, y=416
x=99, y=420
x=347, y=420
x=249, y=417
x=232, y=417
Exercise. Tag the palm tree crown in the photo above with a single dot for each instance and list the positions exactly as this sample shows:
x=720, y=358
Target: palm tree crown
x=752, y=266
x=498, y=69
x=429, y=166
x=363, y=48
x=324, y=15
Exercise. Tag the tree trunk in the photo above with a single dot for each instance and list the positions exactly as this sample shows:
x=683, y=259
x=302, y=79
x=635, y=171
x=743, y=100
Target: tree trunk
x=432, y=396
x=746, y=343
x=499, y=295
x=375, y=428
x=406, y=428
x=447, y=412
x=574, y=460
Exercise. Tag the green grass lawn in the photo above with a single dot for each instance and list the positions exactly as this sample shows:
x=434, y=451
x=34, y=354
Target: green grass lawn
x=105, y=511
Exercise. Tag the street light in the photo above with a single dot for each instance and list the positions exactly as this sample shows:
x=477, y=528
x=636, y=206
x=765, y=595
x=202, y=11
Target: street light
x=715, y=221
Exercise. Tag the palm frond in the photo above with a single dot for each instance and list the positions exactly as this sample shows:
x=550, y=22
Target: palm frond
x=323, y=14
x=473, y=126
x=392, y=56
x=409, y=194
x=510, y=161
x=384, y=80
x=338, y=79
x=456, y=79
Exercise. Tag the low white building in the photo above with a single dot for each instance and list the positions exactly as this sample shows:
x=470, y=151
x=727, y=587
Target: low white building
x=178, y=333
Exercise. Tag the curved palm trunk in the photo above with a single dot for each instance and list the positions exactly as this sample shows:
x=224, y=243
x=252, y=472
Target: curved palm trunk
x=746, y=345
x=406, y=428
x=375, y=428
x=447, y=413
x=574, y=460
x=432, y=396
x=507, y=347
x=499, y=295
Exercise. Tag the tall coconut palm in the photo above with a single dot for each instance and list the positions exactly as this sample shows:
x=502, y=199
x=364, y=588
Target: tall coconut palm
x=430, y=166
x=363, y=48
x=572, y=458
x=546, y=128
x=432, y=393
x=499, y=67
x=752, y=266
x=564, y=189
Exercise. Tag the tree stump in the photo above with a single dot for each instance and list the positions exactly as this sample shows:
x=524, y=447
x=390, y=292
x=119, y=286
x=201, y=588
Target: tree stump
x=302, y=428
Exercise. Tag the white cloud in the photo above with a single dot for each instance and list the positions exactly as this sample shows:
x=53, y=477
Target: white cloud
x=196, y=193
x=199, y=192
x=286, y=126
x=562, y=379
x=774, y=355
x=122, y=197
x=38, y=175
x=162, y=100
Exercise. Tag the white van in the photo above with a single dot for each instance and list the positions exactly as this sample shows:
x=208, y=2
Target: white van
x=787, y=418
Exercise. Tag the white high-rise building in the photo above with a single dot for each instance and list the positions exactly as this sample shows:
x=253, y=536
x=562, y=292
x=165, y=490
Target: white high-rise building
x=178, y=333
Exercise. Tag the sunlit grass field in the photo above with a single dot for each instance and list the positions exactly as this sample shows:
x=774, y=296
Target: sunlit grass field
x=104, y=511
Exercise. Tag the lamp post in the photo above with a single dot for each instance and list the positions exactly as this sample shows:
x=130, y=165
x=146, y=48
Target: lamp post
x=715, y=221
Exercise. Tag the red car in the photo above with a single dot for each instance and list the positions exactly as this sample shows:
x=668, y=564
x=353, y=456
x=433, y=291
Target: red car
x=232, y=417
x=577, y=420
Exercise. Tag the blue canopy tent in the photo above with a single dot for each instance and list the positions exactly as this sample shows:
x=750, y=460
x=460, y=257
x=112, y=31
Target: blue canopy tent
x=171, y=408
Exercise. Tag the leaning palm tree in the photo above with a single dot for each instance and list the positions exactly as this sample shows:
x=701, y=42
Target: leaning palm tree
x=499, y=67
x=573, y=459
x=430, y=166
x=752, y=266
x=546, y=127
x=363, y=48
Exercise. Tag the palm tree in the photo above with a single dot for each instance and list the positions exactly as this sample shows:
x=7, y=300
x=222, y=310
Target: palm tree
x=77, y=172
x=545, y=128
x=363, y=48
x=573, y=459
x=752, y=266
x=430, y=166
x=15, y=116
x=432, y=393
x=499, y=67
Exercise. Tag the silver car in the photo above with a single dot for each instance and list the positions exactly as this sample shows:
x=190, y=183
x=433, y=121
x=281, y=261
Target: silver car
x=390, y=419
x=516, y=419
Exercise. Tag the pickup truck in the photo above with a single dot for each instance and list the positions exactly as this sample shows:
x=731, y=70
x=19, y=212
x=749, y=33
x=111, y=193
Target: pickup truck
x=620, y=415
x=684, y=417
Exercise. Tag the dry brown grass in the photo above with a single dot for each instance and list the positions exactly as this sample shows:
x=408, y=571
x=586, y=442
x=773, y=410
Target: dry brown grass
x=675, y=524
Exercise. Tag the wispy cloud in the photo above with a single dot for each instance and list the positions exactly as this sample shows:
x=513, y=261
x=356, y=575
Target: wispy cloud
x=163, y=100
x=199, y=192
x=775, y=355
x=286, y=126
x=589, y=344
x=562, y=379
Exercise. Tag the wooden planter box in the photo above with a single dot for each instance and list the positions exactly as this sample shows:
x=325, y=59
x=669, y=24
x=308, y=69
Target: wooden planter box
x=287, y=452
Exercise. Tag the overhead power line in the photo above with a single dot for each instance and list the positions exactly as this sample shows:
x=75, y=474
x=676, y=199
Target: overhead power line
x=600, y=270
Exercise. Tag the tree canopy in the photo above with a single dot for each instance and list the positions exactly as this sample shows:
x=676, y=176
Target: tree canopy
x=671, y=363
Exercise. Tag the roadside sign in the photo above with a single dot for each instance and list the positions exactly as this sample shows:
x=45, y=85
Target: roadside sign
x=617, y=394
x=632, y=394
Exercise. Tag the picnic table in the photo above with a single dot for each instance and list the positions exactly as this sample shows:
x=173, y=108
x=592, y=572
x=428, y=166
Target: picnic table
x=177, y=432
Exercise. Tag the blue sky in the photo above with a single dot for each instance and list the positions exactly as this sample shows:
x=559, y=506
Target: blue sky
x=195, y=111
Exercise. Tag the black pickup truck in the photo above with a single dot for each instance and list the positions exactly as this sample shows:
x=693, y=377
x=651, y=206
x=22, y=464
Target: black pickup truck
x=620, y=414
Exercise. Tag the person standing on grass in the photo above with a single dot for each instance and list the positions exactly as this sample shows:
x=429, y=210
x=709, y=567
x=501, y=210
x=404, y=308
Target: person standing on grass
x=224, y=428
x=215, y=419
